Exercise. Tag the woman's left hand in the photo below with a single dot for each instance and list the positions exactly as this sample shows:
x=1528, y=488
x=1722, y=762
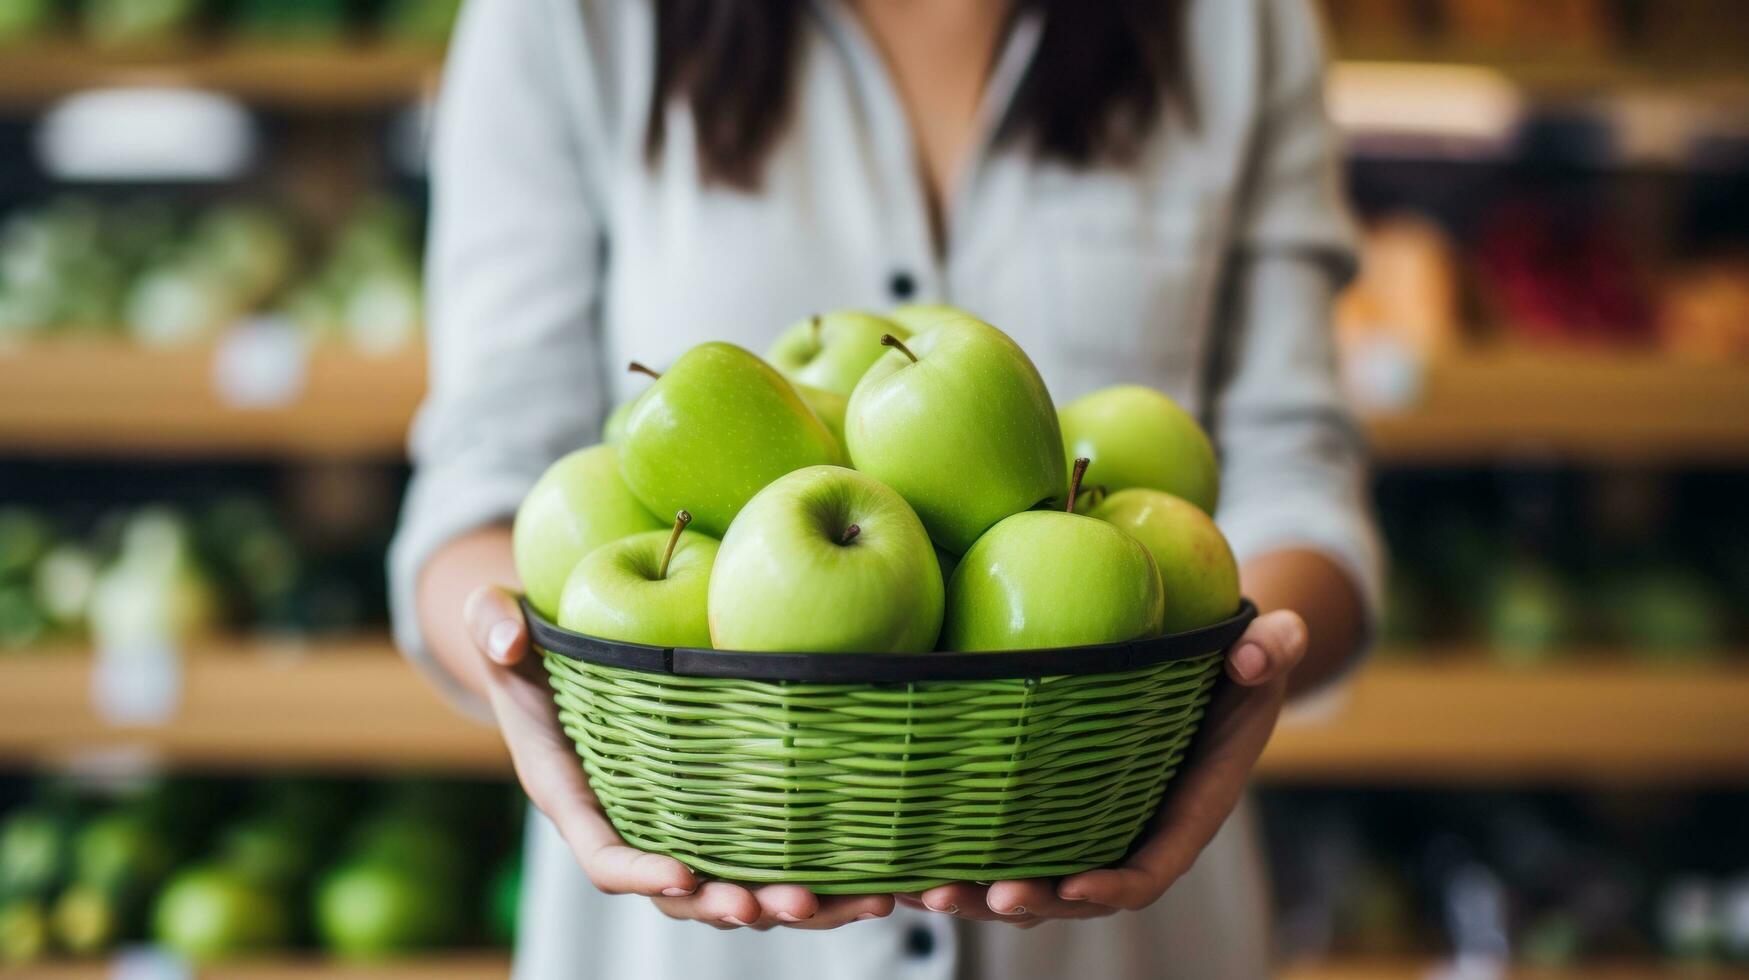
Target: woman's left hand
x=1207, y=787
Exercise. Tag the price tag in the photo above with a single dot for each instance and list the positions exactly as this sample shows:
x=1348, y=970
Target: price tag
x=138, y=685
x=1381, y=373
x=145, y=963
x=261, y=363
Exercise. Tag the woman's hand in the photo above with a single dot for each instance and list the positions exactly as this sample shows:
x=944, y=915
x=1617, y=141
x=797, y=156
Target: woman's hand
x=1233, y=733
x=546, y=764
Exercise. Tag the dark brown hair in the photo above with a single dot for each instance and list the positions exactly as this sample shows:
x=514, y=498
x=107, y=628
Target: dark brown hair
x=1104, y=72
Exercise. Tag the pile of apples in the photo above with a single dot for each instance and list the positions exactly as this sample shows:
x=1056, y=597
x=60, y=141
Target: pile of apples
x=889, y=484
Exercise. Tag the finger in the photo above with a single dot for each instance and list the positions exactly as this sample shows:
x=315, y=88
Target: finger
x=496, y=625
x=786, y=904
x=1271, y=646
x=1235, y=731
x=962, y=898
x=716, y=902
x=1036, y=897
x=546, y=766
x=841, y=910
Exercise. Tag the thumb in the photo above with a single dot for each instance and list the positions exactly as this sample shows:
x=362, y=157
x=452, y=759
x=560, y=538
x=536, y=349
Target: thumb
x=496, y=625
x=1272, y=646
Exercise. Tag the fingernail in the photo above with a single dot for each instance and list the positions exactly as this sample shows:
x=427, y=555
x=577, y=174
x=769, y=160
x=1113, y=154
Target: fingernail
x=677, y=892
x=868, y=915
x=1017, y=910
x=946, y=909
x=1249, y=662
x=499, y=638
x=1071, y=898
x=787, y=917
x=731, y=920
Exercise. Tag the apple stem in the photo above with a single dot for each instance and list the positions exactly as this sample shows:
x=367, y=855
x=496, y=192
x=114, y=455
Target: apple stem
x=850, y=534
x=1075, y=481
x=638, y=368
x=681, y=519
x=888, y=340
x=814, y=323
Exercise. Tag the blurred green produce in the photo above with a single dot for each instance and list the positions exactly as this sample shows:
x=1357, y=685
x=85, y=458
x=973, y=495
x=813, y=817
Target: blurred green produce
x=504, y=900
x=169, y=276
x=1664, y=612
x=33, y=852
x=1529, y=615
x=154, y=592
x=298, y=21
x=375, y=907
x=406, y=841
x=272, y=850
x=420, y=22
x=129, y=23
x=122, y=852
x=24, y=930
x=22, y=20
x=367, y=291
x=23, y=623
x=64, y=580
x=210, y=912
x=86, y=919
x=211, y=869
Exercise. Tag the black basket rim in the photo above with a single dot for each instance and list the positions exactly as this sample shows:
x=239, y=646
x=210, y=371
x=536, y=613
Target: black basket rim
x=876, y=668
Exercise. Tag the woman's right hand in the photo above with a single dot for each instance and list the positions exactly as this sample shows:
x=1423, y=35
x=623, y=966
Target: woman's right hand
x=546, y=765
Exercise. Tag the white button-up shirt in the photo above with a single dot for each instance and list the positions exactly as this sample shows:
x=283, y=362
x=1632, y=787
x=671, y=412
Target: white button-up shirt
x=1205, y=269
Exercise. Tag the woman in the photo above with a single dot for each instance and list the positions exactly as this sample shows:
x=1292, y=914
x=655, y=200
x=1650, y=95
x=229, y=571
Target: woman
x=1135, y=191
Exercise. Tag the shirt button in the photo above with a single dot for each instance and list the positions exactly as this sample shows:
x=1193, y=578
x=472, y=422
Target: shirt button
x=919, y=942
x=902, y=285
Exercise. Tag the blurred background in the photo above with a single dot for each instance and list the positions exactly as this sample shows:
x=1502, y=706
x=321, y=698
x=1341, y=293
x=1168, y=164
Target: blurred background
x=210, y=215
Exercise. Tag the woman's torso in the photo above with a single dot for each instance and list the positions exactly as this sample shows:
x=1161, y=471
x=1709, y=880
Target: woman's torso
x=1103, y=277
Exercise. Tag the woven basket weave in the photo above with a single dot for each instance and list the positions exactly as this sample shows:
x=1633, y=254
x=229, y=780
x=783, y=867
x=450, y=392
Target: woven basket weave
x=806, y=769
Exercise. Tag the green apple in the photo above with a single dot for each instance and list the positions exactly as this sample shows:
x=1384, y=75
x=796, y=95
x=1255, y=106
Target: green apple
x=918, y=317
x=959, y=422
x=1052, y=579
x=648, y=588
x=372, y=908
x=614, y=429
x=831, y=352
x=1138, y=437
x=829, y=405
x=579, y=504
x=829, y=560
x=1196, y=565
x=713, y=431
x=208, y=912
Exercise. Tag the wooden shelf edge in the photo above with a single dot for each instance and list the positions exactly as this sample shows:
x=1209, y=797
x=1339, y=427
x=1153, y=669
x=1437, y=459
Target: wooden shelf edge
x=339, y=75
x=73, y=397
x=343, y=705
x=1458, y=718
x=1589, y=405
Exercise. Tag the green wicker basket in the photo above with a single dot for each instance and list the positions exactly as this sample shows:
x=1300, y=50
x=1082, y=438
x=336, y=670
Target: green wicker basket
x=859, y=773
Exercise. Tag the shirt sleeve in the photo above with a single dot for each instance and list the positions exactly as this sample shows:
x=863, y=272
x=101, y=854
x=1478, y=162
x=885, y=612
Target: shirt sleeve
x=1294, y=461
x=512, y=275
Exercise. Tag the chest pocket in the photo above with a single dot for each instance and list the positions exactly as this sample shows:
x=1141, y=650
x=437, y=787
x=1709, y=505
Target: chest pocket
x=1130, y=295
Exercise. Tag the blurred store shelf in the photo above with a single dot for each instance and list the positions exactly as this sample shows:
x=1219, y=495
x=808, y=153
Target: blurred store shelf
x=1364, y=969
x=109, y=398
x=286, y=76
x=345, y=706
x=1457, y=719
x=1588, y=406
x=73, y=398
x=449, y=966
